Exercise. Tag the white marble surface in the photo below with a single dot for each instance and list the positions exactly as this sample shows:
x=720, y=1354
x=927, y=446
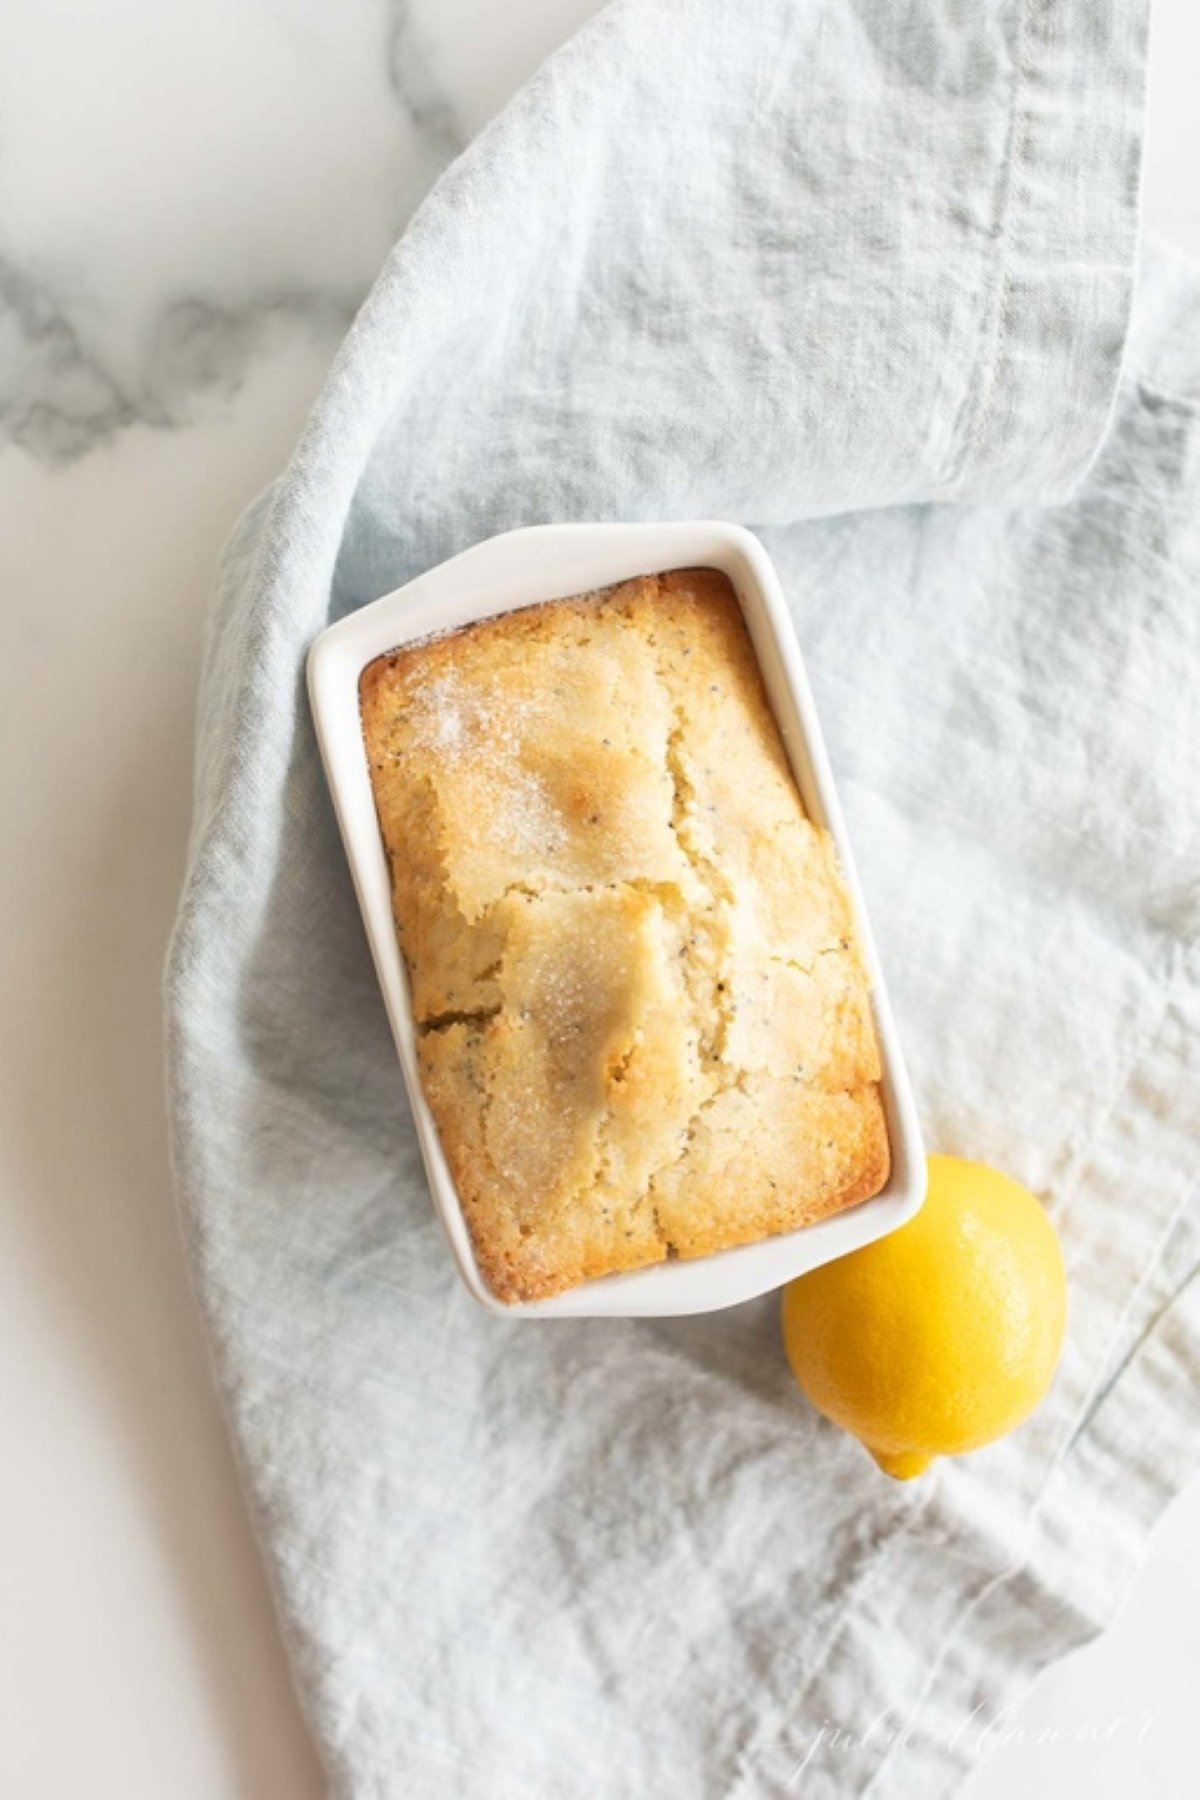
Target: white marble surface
x=193, y=198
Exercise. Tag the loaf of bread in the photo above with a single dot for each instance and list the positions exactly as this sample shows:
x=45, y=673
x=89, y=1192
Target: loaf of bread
x=644, y=1025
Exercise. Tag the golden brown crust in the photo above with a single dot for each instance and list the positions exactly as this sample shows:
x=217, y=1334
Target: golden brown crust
x=644, y=1023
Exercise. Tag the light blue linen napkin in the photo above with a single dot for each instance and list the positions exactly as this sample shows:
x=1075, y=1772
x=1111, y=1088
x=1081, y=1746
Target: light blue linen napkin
x=817, y=267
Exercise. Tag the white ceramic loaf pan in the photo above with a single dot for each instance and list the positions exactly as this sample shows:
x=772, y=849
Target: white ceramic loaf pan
x=549, y=562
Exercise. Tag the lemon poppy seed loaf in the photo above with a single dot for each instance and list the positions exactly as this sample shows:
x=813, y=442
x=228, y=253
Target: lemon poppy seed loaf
x=644, y=1025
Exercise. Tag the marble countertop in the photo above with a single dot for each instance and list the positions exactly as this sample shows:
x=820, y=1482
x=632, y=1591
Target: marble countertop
x=193, y=200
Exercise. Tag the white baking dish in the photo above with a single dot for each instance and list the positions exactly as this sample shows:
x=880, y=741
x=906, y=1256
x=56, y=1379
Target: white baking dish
x=549, y=562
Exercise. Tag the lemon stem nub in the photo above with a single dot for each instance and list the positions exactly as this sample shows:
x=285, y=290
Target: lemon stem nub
x=902, y=1466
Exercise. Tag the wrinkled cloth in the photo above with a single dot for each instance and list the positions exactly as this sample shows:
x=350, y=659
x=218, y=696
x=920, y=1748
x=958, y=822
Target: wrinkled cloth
x=861, y=277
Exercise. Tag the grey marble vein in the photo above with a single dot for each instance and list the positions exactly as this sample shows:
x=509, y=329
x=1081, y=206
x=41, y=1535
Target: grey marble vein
x=68, y=382
x=413, y=79
x=61, y=397
x=56, y=398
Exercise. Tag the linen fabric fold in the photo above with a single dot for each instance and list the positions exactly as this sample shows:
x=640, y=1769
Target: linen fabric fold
x=859, y=276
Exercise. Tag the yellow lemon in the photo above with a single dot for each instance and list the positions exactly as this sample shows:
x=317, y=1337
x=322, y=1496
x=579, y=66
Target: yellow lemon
x=943, y=1335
